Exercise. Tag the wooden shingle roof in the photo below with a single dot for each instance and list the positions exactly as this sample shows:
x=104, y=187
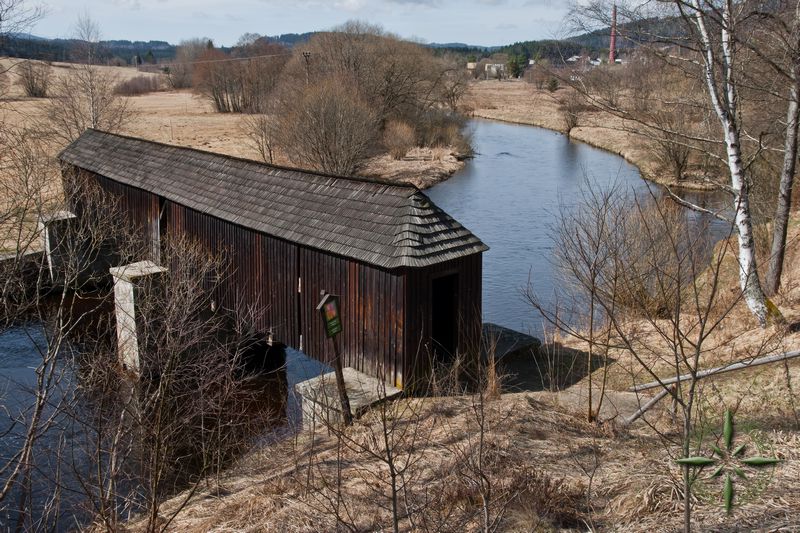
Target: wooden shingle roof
x=379, y=223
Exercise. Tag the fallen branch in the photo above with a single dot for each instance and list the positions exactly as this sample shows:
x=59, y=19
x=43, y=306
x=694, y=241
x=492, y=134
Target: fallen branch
x=646, y=407
x=719, y=370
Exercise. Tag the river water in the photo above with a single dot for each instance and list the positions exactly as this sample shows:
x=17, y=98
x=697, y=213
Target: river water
x=512, y=192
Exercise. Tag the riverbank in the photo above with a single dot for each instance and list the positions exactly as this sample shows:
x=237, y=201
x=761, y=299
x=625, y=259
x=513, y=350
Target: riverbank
x=519, y=102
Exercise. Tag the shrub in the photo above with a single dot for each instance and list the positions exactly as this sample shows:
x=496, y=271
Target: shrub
x=34, y=77
x=571, y=107
x=329, y=128
x=138, y=85
x=552, y=85
x=399, y=137
x=439, y=128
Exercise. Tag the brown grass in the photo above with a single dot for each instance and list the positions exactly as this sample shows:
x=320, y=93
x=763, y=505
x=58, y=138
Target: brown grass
x=186, y=119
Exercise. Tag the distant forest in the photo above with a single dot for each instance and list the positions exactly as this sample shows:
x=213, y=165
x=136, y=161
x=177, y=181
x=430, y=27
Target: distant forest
x=124, y=52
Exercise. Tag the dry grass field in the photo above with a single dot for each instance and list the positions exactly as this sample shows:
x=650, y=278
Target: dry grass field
x=187, y=119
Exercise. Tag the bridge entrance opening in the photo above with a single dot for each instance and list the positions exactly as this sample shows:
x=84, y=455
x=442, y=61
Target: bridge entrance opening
x=444, y=316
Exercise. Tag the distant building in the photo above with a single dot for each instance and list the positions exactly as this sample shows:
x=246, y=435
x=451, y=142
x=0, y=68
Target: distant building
x=494, y=70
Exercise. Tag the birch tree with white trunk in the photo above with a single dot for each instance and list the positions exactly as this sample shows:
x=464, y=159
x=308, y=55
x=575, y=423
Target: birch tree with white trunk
x=728, y=49
x=719, y=70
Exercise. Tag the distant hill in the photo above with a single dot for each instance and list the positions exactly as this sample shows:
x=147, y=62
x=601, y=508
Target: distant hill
x=114, y=51
x=123, y=51
x=552, y=50
x=633, y=34
x=462, y=46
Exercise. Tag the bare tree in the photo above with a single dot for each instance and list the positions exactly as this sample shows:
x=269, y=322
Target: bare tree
x=181, y=71
x=262, y=135
x=661, y=301
x=44, y=294
x=330, y=128
x=17, y=16
x=669, y=146
x=243, y=81
x=85, y=97
x=708, y=49
x=776, y=43
x=116, y=446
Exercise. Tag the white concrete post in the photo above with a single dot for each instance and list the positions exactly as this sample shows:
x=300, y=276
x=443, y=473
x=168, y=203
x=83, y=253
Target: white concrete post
x=127, y=281
x=55, y=229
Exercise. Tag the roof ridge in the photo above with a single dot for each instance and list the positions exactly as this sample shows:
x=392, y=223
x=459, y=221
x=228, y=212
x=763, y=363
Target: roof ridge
x=309, y=172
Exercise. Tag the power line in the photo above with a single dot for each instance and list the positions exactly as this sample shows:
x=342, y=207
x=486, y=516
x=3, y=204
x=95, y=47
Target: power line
x=220, y=60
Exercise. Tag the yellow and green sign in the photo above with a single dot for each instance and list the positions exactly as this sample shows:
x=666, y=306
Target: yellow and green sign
x=329, y=308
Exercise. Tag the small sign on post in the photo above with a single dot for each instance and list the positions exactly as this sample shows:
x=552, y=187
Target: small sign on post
x=329, y=309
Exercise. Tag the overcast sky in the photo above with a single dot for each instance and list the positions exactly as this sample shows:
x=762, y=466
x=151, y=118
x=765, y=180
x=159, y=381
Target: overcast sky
x=483, y=22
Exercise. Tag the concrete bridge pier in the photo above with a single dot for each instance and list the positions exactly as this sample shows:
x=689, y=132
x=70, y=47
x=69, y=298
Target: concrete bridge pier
x=129, y=281
x=319, y=397
x=56, y=229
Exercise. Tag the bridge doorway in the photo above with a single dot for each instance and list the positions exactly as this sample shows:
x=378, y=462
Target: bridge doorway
x=444, y=316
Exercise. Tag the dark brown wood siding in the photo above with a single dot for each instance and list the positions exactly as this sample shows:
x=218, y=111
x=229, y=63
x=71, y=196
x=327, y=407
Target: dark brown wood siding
x=262, y=271
x=386, y=312
x=419, y=312
x=140, y=207
x=371, y=302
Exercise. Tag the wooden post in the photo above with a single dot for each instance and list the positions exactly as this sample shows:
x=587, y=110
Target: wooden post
x=329, y=309
x=347, y=414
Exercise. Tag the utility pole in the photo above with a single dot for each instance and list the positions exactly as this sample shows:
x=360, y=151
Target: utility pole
x=307, y=56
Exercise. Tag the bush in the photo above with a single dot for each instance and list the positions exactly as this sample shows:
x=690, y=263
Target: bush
x=571, y=107
x=439, y=128
x=399, y=137
x=138, y=85
x=329, y=128
x=240, y=86
x=34, y=77
x=552, y=85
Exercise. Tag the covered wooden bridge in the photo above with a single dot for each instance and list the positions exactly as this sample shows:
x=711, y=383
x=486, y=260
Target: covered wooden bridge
x=408, y=274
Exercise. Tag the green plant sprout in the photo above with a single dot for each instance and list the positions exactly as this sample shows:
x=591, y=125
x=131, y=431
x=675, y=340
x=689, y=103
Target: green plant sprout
x=728, y=461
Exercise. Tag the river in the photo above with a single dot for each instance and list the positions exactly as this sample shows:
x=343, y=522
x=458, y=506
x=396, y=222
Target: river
x=511, y=193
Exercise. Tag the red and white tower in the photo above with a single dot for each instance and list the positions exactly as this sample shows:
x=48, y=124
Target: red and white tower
x=612, y=48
